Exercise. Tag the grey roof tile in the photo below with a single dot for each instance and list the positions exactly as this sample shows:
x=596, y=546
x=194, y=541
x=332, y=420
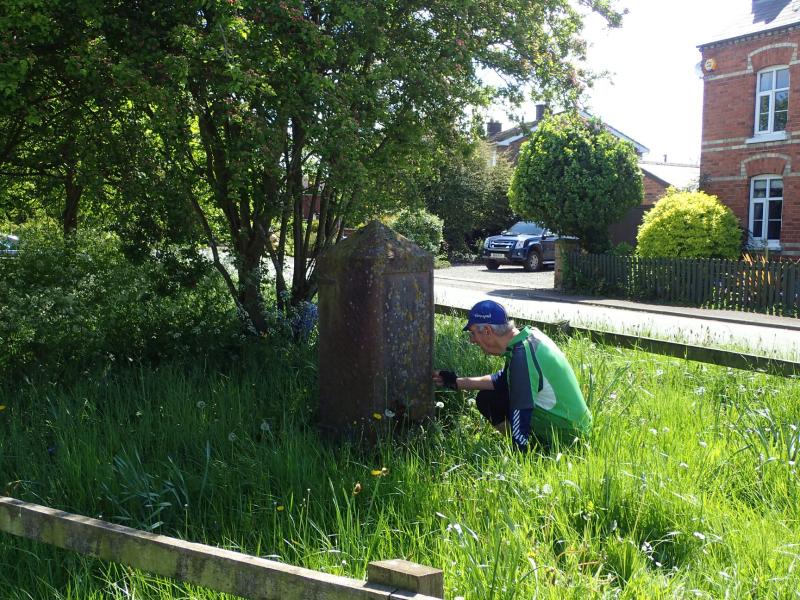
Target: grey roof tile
x=762, y=16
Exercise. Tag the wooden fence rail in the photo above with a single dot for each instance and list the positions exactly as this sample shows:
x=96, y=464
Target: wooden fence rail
x=712, y=356
x=771, y=287
x=214, y=568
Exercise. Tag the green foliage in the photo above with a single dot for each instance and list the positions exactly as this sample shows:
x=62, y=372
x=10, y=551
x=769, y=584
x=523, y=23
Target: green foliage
x=469, y=194
x=623, y=249
x=576, y=178
x=689, y=225
x=687, y=487
x=421, y=227
x=75, y=304
x=226, y=114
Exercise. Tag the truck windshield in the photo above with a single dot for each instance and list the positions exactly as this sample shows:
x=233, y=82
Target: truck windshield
x=526, y=228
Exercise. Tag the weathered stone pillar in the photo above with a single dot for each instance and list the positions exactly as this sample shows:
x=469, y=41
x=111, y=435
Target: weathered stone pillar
x=375, y=331
x=563, y=249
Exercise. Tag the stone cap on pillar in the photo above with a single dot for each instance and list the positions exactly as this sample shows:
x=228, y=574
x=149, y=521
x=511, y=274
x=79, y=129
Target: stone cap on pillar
x=379, y=245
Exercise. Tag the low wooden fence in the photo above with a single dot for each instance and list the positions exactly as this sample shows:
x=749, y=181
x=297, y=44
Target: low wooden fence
x=712, y=356
x=771, y=287
x=220, y=570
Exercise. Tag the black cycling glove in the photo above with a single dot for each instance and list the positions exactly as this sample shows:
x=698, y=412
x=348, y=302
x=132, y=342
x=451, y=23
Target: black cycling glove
x=449, y=379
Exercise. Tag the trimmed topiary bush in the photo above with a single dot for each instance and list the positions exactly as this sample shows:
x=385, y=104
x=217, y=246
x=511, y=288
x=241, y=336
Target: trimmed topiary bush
x=421, y=227
x=689, y=225
x=576, y=178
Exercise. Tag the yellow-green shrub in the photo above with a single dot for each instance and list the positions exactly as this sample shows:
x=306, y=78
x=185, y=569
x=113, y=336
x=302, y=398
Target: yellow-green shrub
x=689, y=225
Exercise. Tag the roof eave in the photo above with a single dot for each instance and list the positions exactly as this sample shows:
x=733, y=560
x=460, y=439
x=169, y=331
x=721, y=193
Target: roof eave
x=748, y=36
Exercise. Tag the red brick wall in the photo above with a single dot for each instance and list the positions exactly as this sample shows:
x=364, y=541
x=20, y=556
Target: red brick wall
x=653, y=189
x=728, y=161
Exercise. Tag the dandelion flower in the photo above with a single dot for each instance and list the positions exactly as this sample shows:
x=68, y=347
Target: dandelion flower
x=232, y=437
x=389, y=414
x=440, y=404
x=279, y=508
x=357, y=488
x=265, y=426
x=382, y=472
x=377, y=416
x=2, y=406
x=201, y=405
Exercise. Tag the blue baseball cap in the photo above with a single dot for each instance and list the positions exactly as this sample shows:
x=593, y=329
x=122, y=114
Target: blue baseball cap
x=486, y=312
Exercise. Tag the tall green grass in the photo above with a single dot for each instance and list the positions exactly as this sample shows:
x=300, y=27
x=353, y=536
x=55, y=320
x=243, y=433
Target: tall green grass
x=687, y=486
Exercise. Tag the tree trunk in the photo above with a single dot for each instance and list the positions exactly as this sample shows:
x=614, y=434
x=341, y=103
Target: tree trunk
x=250, y=297
x=69, y=218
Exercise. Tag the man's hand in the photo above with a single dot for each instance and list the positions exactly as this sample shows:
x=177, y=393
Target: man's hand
x=446, y=379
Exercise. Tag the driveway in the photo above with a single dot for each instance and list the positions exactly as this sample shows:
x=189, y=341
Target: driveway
x=505, y=277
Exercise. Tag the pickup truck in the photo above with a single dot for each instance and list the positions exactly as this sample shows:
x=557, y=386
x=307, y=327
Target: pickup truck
x=525, y=243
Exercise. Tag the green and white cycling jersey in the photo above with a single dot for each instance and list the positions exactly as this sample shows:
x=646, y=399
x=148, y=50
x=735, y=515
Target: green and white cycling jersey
x=544, y=394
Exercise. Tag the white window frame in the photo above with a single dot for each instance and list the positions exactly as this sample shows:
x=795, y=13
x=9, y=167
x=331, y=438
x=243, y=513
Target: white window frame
x=770, y=94
x=763, y=240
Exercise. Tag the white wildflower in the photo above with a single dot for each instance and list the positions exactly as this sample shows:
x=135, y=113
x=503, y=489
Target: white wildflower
x=440, y=404
x=232, y=437
x=201, y=405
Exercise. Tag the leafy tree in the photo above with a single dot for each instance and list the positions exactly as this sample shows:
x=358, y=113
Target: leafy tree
x=257, y=109
x=576, y=178
x=469, y=193
x=54, y=99
x=689, y=225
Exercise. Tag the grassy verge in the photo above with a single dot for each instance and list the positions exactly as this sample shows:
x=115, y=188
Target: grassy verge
x=687, y=487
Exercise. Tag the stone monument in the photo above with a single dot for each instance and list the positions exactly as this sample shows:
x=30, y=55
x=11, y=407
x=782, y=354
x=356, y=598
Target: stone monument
x=375, y=332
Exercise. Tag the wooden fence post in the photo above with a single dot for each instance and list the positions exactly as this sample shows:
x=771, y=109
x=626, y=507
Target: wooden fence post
x=407, y=576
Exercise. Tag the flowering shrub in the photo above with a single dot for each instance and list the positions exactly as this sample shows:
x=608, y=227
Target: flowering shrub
x=66, y=306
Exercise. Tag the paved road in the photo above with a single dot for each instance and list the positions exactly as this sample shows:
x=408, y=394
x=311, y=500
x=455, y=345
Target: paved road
x=504, y=276
x=530, y=295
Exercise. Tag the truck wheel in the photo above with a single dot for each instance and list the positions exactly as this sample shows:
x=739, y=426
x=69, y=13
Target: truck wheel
x=533, y=262
x=492, y=265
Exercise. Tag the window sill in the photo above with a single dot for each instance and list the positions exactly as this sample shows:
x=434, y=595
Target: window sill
x=761, y=247
x=778, y=136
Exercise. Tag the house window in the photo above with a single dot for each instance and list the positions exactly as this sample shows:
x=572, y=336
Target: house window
x=766, y=209
x=772, y=100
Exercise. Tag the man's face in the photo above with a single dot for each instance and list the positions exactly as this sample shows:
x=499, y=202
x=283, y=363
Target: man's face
x=482, y=336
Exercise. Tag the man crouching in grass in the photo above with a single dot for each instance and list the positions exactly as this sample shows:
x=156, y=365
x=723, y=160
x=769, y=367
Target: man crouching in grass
x=536, y=395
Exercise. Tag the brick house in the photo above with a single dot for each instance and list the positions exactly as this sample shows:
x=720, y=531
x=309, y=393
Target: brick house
x=750, y=156
x=656, y=176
